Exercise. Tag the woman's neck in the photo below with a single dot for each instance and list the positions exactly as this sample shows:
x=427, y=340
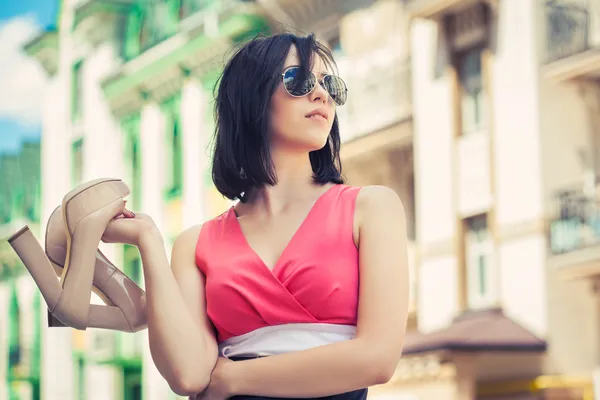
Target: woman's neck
x=294, y=182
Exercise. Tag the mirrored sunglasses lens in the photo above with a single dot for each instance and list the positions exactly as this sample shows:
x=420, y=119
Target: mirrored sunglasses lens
x=296, y=84
x=336, y=88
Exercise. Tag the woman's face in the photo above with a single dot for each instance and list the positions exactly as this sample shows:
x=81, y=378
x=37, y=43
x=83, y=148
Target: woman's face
x=292, y=126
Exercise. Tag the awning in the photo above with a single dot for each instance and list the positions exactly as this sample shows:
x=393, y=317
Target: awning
x=488, y=330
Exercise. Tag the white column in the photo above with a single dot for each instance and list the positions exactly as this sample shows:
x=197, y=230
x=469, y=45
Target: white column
x=55, y=150
x=517, y=164
x=103, y=142
x=152, y=146
x=57, y=361
x=195, y=152
x=102, y=382
x=433, y=155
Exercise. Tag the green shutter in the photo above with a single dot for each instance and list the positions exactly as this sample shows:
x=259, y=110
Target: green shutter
x=132, y=383
x=36, y=348
x=174, y=146
x=131, y=44
x=133, y=157
x=77, y=162
x=172, y=20
x=133, y=263
x=177, y=155
x=14, y=329
x=76, y=85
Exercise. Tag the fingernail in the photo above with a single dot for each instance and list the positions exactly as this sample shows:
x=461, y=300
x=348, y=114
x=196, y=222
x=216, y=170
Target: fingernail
x=132, y=213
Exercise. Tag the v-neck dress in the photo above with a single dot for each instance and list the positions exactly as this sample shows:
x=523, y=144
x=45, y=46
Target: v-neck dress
x=309, y=298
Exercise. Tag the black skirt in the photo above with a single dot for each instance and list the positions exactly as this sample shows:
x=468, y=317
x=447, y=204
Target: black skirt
x=360, y=394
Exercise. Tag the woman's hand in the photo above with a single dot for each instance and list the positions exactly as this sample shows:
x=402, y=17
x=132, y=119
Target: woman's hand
x=219, y=386
x=130, y=228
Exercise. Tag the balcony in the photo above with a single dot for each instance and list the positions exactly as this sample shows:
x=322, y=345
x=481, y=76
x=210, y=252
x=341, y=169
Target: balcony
x=434, y=8
x=379, y=100
x=574, y=235
x=310, y=15
x=157, y=71
x=572, y=41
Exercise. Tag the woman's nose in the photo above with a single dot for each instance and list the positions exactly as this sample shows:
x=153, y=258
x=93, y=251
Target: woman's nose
x=320, y=93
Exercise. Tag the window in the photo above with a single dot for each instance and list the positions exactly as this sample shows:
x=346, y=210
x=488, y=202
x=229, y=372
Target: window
x=36, y=347
x=159, y=21
x=131, y=42
x=76, y=91
x=14, y=331
x=77, y=162
x=132, y=383
x=479, y=257
x=189, y=7
x=469, y=69
x=149, y=23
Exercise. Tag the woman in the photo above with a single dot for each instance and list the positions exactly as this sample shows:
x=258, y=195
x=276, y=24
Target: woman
x=277, y=151
x=264, y=300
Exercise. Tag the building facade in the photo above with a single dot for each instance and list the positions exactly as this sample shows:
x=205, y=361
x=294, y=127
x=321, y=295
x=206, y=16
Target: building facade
x=505, y=119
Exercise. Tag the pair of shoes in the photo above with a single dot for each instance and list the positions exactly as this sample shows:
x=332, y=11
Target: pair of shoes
x=72, y=267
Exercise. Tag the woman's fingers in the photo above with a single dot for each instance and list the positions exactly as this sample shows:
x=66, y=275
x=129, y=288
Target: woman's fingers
x=125, y=214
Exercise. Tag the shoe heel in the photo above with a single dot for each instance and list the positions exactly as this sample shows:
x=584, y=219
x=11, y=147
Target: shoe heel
x=34, y=258
x=54, y=322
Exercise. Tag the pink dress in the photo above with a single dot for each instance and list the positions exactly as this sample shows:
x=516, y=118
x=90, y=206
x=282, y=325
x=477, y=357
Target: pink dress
x=309, y=298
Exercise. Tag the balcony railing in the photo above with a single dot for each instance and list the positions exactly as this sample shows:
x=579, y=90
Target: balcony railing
x=376, y=100
x=577, y=225
x=567, y=30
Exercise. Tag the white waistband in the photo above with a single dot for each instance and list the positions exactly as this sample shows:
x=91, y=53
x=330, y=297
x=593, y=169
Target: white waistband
x=280, y=339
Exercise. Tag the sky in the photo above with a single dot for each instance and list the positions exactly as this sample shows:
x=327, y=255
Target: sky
x=22, y=79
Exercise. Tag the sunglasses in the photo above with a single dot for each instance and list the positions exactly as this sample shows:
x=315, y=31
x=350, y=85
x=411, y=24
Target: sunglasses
x=297, y=85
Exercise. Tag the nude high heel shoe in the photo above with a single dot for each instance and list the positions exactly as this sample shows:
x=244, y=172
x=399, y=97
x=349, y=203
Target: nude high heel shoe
x=86, y=211
x=109, y=282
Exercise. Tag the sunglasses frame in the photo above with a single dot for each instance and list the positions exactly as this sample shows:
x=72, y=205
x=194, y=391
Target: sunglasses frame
x=320, y=82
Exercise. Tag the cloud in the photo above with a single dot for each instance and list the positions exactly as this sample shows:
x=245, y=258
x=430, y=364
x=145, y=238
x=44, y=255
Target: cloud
x=22, y=79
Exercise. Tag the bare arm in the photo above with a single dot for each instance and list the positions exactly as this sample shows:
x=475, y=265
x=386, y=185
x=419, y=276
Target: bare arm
x=182, y=342
x=372, y=356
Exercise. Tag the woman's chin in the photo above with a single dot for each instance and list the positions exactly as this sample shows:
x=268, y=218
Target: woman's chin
x=315, y=145
x=307, y=141
x=315, y=140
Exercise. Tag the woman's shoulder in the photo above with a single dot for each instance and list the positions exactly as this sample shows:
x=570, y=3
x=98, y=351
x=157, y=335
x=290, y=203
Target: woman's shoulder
x=188, y=237
x=377, y=198
x=371, y=193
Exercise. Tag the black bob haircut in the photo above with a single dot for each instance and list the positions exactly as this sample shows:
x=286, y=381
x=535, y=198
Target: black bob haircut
x=241, y=156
